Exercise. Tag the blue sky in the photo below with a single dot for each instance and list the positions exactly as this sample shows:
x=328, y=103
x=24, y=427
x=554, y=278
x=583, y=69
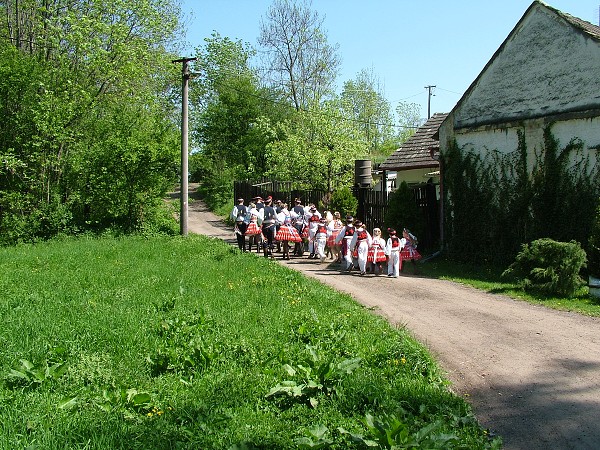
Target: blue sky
x=407, y=44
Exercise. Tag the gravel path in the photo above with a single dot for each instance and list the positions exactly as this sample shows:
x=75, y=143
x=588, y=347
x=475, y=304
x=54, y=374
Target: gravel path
x=532, y=374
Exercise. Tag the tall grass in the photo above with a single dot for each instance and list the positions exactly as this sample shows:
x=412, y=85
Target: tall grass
x=170, y=342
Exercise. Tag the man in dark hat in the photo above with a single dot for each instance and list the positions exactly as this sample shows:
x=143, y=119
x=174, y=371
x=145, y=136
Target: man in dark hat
x=238, y=215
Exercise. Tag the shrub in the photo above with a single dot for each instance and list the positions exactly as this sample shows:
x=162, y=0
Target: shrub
x=344, y=201
x=549, y=267
x=403, y=211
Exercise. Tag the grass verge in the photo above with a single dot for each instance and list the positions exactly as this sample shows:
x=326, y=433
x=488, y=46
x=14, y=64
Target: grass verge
x=173, y=342
x=489, y=279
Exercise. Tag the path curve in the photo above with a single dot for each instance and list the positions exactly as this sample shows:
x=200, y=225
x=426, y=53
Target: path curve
x=531, y=374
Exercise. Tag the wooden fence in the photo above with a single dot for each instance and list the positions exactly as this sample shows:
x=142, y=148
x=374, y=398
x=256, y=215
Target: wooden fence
x=372, y=205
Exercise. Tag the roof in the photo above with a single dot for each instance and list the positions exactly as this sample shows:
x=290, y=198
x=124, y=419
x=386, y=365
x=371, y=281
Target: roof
x=415, y=152
x=535, y=74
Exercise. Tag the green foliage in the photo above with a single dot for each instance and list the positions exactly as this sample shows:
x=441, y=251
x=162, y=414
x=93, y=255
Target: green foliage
x=317, y=375
x=403, y=212
x=317, y=148
x=394, y=431
x=593, y=253
x=343, y=200
x=498, y=202
x=28, y=374
x=549, y=267
x=89, y=139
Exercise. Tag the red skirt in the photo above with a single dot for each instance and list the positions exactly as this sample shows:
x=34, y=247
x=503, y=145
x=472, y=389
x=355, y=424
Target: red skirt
x=305, y=232
x=409, y=253
x=376, y=254
x=288, y=233
x=334, y=235
x=253, y=229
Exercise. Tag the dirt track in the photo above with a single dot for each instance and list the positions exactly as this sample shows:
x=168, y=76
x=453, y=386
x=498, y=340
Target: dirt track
x=531, y=374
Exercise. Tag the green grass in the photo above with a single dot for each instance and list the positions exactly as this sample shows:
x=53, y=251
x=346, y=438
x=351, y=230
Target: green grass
x=170, y=342
x=489, y=279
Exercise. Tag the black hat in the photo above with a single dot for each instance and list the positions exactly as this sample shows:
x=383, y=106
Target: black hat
x=240, y=200
x=391, y=231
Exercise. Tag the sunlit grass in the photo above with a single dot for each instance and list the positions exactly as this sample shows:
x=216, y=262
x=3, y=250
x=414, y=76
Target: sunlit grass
x=175, y=343
x=489, y=279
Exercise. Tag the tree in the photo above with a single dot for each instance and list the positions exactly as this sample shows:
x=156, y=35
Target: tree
x=229, y=106
x=409, y=119
x=317, y=149
x=363, y=101
x=299, y=60
x=81, y=63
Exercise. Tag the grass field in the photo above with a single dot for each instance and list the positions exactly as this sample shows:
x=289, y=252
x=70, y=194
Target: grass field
x=177, y=343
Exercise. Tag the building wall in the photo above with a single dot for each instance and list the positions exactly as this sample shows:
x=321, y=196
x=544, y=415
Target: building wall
x=504, y=139
x=545, y=67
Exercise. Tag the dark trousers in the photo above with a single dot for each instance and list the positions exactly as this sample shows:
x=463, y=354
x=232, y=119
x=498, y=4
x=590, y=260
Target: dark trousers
x=269, y=234
x=240, y=231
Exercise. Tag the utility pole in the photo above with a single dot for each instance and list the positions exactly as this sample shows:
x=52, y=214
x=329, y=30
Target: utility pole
x=430, y=89
x=183, y=215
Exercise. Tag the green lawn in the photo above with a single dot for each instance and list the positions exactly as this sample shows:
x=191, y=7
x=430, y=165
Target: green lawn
x=177, y=343
x=490, y=280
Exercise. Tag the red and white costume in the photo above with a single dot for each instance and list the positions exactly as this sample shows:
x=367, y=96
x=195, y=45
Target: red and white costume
x=377, y=250
x=361, y=241
x=254, y=225
x=321, y=239
x=344, y=237
x=392, y=250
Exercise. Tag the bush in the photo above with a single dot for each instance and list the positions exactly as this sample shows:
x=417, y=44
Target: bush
x=403, y=211
x=343, y=201
x=549, y=267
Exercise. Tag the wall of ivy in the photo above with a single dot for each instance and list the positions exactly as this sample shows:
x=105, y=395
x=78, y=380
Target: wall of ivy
x=495, y=203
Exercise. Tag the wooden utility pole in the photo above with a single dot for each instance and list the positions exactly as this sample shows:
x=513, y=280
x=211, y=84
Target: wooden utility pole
x=430, y=89
x=183, y=215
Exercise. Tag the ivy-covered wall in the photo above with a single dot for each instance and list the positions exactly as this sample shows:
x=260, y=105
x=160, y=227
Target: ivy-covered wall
x=495, y=201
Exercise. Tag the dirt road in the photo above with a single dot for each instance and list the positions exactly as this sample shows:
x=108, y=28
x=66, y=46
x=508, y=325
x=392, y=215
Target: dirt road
x=531, y=374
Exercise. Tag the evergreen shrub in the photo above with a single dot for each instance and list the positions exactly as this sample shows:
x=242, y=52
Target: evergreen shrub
x=344, y=201
x=549, y=267
x=403, y=211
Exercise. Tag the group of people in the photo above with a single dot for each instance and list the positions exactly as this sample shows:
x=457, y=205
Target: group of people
x=272, y=226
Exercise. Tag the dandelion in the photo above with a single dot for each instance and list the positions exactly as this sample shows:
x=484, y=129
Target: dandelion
x=149, y=414
x=403, y=360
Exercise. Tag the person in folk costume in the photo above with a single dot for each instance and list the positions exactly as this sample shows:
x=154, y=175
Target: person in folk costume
x=238, y=215
x=268, y=227
x=321, y=238
x=297, y=215
x=392, y=250
x=343, y=239
x=259, y=203
x=253, y=231
x=409, y=249
x=278, y=205
x=376, y=254
x=360, y=243
x=335, y=225
x=286, y=233
x=313, y=217
x=328, y=218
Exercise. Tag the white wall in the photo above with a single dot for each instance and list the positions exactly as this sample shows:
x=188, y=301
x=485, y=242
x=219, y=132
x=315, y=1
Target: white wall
x=504, y=139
